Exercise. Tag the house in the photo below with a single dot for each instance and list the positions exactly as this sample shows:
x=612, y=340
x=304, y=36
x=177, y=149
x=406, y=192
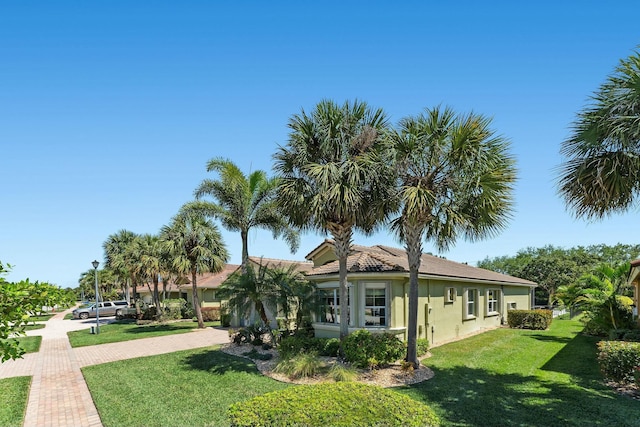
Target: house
x=206, y=283
x=454, y=299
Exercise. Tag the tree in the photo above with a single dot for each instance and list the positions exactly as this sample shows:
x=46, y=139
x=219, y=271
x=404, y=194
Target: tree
x=243, y=202
x=118, y=249
x=250, y=289
x=334, y=177
x=195, y=247
x=554, y=267
x=455, y=178
x=17, y=302
x=294, y=295
x=601, y=173
x=148, y=253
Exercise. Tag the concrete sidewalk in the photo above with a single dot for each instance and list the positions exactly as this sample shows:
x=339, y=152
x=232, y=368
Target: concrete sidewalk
x=59, y=395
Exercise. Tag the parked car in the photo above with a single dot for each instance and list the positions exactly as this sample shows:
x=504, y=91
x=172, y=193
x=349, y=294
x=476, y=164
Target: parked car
x=107, y=308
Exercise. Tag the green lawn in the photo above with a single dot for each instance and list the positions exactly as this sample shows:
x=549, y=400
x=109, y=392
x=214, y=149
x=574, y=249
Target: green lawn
x=523, y=378
x=14, y=393
x=34, y=327
x=127, y=330
x=30, y=344
x=500, y=378
x=186, y=388
x=42, y=318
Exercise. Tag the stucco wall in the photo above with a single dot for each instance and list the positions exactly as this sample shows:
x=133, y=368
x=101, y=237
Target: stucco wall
x=439, y=320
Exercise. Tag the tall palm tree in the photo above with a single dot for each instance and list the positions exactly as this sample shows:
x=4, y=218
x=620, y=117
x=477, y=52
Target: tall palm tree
x=195, y=247
x=148, y=253
x=334, y=177
x=455, y=178
x=118, y=249
x=601, y=173
x=243, y=202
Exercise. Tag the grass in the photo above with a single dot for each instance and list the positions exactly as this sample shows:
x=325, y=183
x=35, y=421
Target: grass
x=14, y=393
x=34, y=327
x=128, y=330
x=186, y=388
x=30, y=344
x=523, y=378
x=41, y=317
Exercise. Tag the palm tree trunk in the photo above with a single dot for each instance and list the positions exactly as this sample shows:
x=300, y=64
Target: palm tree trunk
x=413, y=238
x=196, y=300
x=342, y=236
x=262, y=312
x=245, y=250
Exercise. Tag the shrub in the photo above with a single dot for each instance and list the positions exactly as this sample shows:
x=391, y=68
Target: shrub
x=618, y=359
x=339, y=372
x=331, y=347
x=530, y=319
x=301, y=366
x=366, y=350
x=173, y=308
x=251, y=334
x=210, y=314
x=423, y=346
x=332, y=404
x=225, y=320
x=187, y=312
x=294, y=345
x=150, y=313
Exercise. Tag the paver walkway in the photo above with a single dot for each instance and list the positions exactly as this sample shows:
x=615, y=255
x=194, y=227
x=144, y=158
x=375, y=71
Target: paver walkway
x=59, y=395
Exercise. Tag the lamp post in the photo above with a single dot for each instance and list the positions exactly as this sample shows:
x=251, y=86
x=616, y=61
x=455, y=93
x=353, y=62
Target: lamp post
x=95, y=269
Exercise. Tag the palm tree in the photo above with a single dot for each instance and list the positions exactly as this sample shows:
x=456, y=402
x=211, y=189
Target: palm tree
x=243, y=202
x=601, y=173
x=148, y=253
x=118, y=249
x=195, y=247
x=334, y=177
x=295, y=296
x=250, y=289
x=455, y=178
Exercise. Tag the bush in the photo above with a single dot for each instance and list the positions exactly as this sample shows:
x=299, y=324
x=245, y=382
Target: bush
x=251, y=334
x=339, y=372
x=294, y=345
x=423, y=346
x=530, y=319
x=173, y=308
x=225, y=320
x=366, y=350
x=301, y=366
x=150, y=313
x=618, y=359
x=210, y=314
x=331, y=347
x=332, y=404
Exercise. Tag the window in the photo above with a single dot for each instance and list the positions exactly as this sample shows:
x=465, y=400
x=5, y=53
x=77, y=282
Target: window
x=450, y=294
x=492, y=302
x=375, y=304
x=107, y=304
x=330, y=305
x=512, y=306
x=470, y=303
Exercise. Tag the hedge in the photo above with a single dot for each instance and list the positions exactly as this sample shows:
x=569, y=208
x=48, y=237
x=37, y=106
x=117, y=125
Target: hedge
x=529, y=319
x=618, y=359
x=332, y=404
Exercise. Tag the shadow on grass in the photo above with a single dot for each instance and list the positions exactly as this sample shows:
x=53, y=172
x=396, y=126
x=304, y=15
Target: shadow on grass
x=550, y=338
x=217, y=362
x=473, y=397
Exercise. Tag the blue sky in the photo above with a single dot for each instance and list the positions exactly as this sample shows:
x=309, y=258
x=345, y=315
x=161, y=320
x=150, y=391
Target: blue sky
x=109, y=111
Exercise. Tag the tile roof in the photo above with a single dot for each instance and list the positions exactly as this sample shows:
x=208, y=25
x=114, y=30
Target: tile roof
x=301, y=266
x=211, y=280
x=381, y=258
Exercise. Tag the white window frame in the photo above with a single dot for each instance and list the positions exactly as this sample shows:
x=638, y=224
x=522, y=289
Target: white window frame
x=450, y=294
x=465, y=306
x=375, y=285
x=492, y=299
x=336, y=295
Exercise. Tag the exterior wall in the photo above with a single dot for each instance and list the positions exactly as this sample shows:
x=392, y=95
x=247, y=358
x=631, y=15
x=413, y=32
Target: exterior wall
x=442, y=313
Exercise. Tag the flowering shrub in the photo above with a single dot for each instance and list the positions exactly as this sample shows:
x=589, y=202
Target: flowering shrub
x=366, y=350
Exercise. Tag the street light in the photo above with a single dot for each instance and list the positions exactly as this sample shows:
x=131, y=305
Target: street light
x=95, y=269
